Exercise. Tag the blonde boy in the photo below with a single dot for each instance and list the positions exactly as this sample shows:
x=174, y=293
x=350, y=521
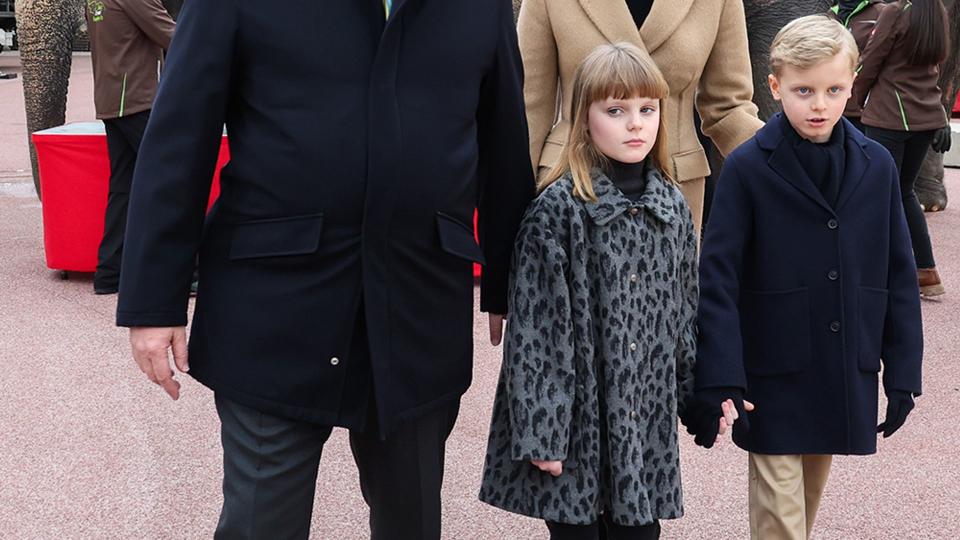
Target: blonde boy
x=808, y=285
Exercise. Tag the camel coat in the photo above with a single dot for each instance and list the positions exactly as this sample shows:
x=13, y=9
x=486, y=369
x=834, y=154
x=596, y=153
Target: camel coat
x=700, y=46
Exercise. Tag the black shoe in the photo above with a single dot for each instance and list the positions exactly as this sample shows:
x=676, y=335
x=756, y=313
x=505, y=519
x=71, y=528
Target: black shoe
x=105, y=289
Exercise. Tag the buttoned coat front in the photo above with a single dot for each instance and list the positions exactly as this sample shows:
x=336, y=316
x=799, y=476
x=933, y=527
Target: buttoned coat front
x=700, y=46
x=598, y=357
x=800, y=301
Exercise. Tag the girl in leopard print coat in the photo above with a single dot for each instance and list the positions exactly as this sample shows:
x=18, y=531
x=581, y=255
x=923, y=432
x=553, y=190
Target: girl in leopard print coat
x=600, y=345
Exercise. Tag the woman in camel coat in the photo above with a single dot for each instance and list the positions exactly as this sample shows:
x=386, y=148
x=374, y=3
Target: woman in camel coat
x=699, y=45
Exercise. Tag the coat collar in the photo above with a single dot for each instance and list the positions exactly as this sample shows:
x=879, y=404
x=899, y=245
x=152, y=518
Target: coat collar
x=657, y=198
x=784, y=160
x=612, y=18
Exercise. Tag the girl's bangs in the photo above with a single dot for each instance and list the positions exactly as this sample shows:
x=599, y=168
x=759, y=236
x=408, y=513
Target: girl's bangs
x=625, y=78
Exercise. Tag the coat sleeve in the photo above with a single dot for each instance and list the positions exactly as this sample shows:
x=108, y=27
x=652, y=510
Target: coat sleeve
x=174, y=170
x=538, y=360
x=687, y=340
x=874, y=55
x=725, y=90
x=506, y=176
x=719, y=342
x=538, y=47
x=902, y=348
x=152, y=19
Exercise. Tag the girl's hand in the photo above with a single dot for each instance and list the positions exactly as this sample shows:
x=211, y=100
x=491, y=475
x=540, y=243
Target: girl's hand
x=555, y=468
x=730, y=415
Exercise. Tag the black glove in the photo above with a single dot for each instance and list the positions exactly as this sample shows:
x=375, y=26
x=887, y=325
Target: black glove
x=899, y=405
x=941, y=140
x=703, y=415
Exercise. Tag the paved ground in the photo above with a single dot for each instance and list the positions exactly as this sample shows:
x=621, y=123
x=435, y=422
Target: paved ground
x=90, y=449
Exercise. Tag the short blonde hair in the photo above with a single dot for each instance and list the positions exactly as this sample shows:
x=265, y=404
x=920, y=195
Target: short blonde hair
x=807, y=41
x=619, y=71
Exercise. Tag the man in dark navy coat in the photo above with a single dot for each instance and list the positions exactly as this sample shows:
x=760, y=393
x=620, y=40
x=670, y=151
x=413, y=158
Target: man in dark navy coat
x=807, y=286
x=336, y=285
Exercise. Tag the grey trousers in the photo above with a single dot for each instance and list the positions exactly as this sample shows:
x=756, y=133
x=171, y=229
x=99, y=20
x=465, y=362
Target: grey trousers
x=270, y=469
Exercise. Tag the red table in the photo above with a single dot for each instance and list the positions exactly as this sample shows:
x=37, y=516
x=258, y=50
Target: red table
x=74, y=178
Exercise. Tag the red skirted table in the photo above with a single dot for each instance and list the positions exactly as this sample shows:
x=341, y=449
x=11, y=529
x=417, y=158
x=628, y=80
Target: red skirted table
x=74, y=178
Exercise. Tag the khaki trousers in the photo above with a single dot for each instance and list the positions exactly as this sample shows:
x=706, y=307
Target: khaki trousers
x=784, y=494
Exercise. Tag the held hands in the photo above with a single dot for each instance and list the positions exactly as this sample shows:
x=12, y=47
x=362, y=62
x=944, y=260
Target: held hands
x=150, y=346
x=713, y=412
x=555, y=468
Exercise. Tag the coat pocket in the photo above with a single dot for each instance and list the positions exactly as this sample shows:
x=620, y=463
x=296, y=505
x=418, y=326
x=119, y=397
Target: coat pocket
x=456, y=238
x=690, y=165
x=277, y=237
x=872, y=312
x=775, y=326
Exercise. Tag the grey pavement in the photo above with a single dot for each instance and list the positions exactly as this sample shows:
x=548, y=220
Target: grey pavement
x=90, y=449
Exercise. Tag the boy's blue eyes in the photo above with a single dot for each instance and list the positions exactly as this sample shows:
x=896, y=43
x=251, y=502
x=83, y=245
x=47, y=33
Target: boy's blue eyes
x=803, y=90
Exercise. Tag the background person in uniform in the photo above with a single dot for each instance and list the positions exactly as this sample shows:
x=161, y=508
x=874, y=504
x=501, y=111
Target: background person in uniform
x=700, y=46
x=897, y=88
x=337, y=284
x=127, y=40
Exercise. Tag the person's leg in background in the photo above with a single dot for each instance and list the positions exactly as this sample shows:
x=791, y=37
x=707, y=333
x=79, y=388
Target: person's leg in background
x=123, y=143
x=909, y=150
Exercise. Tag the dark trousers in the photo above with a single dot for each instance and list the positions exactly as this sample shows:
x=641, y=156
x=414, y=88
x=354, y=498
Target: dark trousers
x=605, y=529
x=909, y=148
x=123, y=143
x=270, y=467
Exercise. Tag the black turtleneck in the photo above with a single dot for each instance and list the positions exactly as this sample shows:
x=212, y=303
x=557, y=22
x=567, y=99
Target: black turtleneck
x=639, y=9
x=824, y=163
x=630, y=178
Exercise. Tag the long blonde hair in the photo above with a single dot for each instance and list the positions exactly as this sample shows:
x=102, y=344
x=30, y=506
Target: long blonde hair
x=619, y=71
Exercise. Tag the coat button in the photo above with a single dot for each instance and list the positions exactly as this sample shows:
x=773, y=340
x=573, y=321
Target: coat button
x=634, y=415
x=633, y=278
x=833, y=275
x=634, y=211
x=334, y=361
x=833, y=224
x=633, y=346
x=835, y=326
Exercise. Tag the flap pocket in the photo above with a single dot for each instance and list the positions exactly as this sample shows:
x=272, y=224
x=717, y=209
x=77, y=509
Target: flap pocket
x=775, y=326
x=691, y=164
x=456, y=238
x=873, y=314
x=278, y=237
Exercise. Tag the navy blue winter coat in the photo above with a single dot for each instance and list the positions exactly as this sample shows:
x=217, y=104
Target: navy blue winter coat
x=801, y=304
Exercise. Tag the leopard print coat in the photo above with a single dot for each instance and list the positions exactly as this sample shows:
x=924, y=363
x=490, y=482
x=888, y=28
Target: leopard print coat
x=598, y=356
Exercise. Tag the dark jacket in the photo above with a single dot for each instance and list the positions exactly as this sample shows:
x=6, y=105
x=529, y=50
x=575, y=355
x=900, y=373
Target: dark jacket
x=895, y=94
x=127, y=40
x=860, y=22
x=358, y=157
x=800, y=302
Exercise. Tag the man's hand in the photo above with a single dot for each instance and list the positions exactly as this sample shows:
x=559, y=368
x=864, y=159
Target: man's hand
x=555, y=468
x=496, y=328
x=150, y=347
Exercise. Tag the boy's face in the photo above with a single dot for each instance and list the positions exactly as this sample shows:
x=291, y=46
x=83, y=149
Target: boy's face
x=624, y=129
x=813, y=99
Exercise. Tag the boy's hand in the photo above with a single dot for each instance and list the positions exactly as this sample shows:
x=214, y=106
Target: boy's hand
x=714, y=412
x=899, y=405
x=555, y=468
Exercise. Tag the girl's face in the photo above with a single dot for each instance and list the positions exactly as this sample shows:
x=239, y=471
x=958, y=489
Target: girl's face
x=624, y=129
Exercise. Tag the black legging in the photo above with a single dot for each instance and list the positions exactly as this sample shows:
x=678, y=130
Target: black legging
x=909, y=148
x=605, y=529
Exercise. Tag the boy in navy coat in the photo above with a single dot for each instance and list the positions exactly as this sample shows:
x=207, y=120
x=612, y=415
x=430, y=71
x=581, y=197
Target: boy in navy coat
x=808, y=285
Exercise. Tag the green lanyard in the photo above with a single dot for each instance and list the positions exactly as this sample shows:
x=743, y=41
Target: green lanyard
x=836, y=9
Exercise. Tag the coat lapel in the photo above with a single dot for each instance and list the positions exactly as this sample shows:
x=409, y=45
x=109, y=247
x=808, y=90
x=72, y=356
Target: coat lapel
x=663, y=19
x=613, y=19
x=611, y=202
x=783, y=160
x=857, y=162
